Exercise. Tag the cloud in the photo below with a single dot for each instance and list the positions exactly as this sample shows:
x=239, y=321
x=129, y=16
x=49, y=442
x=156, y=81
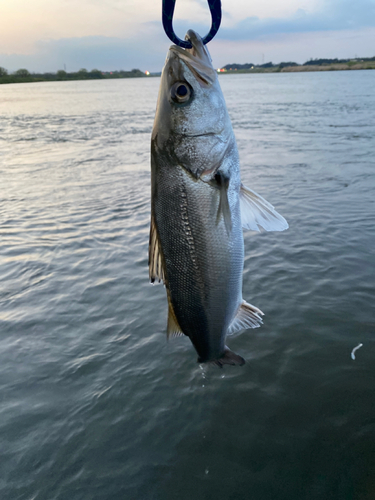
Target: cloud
x=101, y=52
x=146, y=51
x=298, y=47
x=299, y=36
x=334, y=15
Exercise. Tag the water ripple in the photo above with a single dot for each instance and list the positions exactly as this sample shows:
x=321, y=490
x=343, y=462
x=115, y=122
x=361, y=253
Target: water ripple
x=95, y=403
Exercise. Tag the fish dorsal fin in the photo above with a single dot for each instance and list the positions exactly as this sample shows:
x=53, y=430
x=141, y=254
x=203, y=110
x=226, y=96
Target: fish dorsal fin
x=155, y=261
x=257, y=212
x=247, y=316
x=173, y=328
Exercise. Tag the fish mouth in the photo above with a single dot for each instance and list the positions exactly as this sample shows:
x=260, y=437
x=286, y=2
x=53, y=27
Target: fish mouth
x=197, y=59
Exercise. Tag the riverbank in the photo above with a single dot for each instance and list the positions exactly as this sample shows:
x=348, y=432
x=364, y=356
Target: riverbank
x=23, y=76
x=351, y=65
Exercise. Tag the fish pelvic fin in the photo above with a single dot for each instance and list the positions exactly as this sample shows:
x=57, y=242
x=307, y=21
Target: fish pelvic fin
x=228, y=358
x=173, y=328
x=256, y=212
x=155, y=260
x=248, y=316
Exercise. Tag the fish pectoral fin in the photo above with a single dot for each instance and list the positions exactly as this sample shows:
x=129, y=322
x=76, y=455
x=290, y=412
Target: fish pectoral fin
x=224, y=208
x=248, y=316
x=257, y=212
x=173, y=328
x=155, y=261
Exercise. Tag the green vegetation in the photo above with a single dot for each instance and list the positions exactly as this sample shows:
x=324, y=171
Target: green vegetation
x=23, y=75
x=311, y=65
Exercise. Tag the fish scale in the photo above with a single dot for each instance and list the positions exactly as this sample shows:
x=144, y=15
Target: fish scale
x=203, y=267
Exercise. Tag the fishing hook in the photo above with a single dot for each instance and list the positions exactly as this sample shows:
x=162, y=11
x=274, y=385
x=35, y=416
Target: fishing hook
x=168, y=9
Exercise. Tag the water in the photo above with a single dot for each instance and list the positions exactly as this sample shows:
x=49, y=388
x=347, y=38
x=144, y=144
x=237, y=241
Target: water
x=94, y=402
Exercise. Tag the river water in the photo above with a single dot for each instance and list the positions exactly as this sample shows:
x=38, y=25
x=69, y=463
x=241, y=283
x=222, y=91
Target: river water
x=94, y=402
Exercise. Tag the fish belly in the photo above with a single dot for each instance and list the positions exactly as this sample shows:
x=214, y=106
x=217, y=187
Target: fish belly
x=203, y=260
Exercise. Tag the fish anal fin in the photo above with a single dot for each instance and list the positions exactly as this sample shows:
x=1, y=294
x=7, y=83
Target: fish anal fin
x=155, y=259
x=257, y=212
x=173, y=328
x=248, y=316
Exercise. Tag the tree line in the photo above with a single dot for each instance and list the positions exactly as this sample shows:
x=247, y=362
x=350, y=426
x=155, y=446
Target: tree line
x=23, y=75
x=311, y=62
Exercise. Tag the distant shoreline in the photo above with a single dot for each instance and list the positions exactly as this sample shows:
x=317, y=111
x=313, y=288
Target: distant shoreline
x=97, y=75
x=305, y=69
x=24, y=76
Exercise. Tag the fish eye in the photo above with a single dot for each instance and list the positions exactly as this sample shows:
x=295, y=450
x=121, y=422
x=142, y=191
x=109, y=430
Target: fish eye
x=181, y=92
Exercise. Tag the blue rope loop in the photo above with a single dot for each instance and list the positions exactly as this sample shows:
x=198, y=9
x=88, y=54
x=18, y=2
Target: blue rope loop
x=168, y=9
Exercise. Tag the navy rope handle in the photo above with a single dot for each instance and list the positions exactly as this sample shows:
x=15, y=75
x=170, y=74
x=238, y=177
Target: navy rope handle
x=168, y=9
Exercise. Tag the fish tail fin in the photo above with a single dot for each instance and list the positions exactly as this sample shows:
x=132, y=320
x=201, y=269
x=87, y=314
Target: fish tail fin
x=229, y=358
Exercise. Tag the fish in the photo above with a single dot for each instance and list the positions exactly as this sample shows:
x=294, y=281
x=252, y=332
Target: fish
x=199, y=207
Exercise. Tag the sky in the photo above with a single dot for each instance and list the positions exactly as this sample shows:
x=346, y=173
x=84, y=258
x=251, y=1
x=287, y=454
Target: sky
x=48, y=35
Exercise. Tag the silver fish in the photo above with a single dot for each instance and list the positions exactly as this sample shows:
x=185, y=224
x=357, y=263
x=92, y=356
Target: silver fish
x=199, y=206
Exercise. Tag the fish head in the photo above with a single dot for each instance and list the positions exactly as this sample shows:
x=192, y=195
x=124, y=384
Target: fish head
x=192, y=121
